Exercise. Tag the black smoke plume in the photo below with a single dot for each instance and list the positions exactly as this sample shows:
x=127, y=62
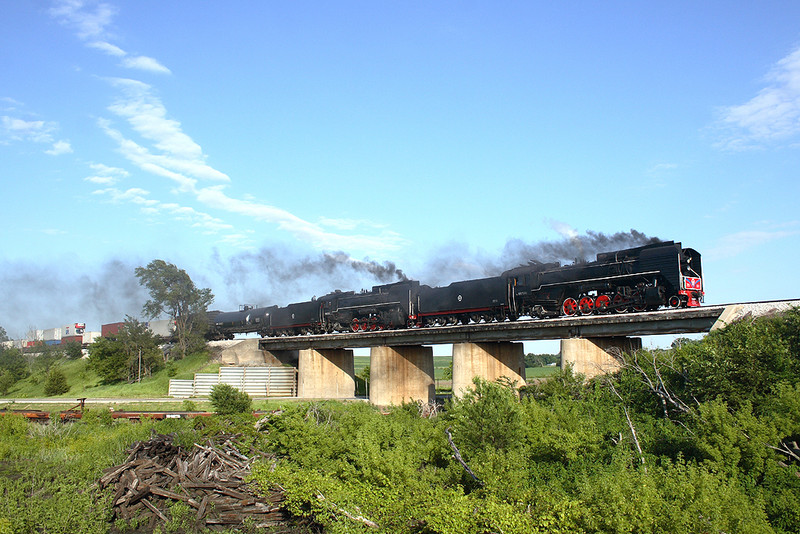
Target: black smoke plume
x=278, y=275
x=40, y=296
x=574, y=248
x=456, y=262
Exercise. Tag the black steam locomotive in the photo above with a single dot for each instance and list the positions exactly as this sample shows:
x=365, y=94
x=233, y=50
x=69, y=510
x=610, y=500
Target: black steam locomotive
x=635, y=279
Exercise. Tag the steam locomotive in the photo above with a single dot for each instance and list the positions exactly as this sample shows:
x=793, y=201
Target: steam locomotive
x=635, y=279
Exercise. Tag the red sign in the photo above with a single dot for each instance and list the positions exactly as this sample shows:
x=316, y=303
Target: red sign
x=692, y=283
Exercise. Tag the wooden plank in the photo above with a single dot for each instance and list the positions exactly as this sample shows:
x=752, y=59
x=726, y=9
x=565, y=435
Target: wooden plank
x=161, y=492
x=155, y=510
x=202, y=510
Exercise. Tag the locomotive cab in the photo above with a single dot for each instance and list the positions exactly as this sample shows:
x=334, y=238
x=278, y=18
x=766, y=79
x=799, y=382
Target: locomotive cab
x=691, y=286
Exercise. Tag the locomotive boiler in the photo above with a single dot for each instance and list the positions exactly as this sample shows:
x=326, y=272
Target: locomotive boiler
x=631, y=280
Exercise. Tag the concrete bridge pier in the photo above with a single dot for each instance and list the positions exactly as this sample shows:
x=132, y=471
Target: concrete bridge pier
x=489, y=361
x=594, y=356
x=401, y=374
x=326, y=374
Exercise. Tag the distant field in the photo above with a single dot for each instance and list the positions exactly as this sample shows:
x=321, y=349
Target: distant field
x=440, y=363
x=540, y=372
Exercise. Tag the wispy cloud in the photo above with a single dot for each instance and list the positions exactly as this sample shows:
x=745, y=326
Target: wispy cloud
x=145, y=113
x=302, y=229
x=10, y=104
x=197, y=219
x=135, y=195
x=772, y=116
x=662, y=167
x=108, y=48
x=54, y=231
x=90, y=21
x=155, y=208
x=18, y=129
x=145, y=63
x=732, y=245
x=14, y=129
x=172, y=154
x=105, y=175
x=87, y=19
x=59, y=147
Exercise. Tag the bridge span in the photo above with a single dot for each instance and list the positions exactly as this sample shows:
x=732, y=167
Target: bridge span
x=401, y=361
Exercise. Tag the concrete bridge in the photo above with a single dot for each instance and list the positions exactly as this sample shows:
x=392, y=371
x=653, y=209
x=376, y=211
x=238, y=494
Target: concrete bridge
x=401, y=361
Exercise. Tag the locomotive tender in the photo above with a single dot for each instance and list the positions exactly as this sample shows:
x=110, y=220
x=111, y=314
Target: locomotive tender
x=634, y=279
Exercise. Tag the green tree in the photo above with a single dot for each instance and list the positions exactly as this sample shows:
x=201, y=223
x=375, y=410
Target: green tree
x=73, y=350
x=3, y=334
x=133, y=353
x=541, y=360
x=140, y=346
x=56, y=383
x=14, y=362
x=7, y=381
x=172, y=292
x=107, y=358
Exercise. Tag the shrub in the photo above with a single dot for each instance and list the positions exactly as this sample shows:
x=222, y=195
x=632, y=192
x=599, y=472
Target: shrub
x=56, y=383
x=7, y=381
x=228, y=400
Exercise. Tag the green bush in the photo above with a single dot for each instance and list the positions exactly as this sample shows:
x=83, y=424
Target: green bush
x=7, y=381
x=56, y=383
x=228, y=400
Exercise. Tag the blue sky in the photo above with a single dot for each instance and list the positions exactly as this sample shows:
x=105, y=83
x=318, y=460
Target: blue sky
x=278, y=150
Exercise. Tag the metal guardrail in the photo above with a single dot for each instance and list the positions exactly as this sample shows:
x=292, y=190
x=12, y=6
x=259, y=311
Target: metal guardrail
x=255, y=381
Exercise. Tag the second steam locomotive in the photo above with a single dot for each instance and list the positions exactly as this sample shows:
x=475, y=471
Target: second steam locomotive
x=634, y=279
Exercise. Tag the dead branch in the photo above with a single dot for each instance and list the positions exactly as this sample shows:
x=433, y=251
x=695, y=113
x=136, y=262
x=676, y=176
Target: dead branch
x=459, y=459
x=630, y=424
x=359, y=518
x=656, y=385
x=790, y=450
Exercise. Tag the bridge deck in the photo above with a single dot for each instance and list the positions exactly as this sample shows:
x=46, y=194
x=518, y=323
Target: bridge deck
x=680, y=321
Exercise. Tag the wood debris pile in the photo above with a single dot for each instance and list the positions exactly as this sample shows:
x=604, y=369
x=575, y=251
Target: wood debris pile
x=210, y=479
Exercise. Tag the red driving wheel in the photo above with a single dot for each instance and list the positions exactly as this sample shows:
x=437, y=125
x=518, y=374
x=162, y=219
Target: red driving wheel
x=586, y=305
x=602, y=303
x=569, y=306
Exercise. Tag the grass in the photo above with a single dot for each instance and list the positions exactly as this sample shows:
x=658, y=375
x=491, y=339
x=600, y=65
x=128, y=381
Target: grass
x=540, y=372
x=84, y=382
